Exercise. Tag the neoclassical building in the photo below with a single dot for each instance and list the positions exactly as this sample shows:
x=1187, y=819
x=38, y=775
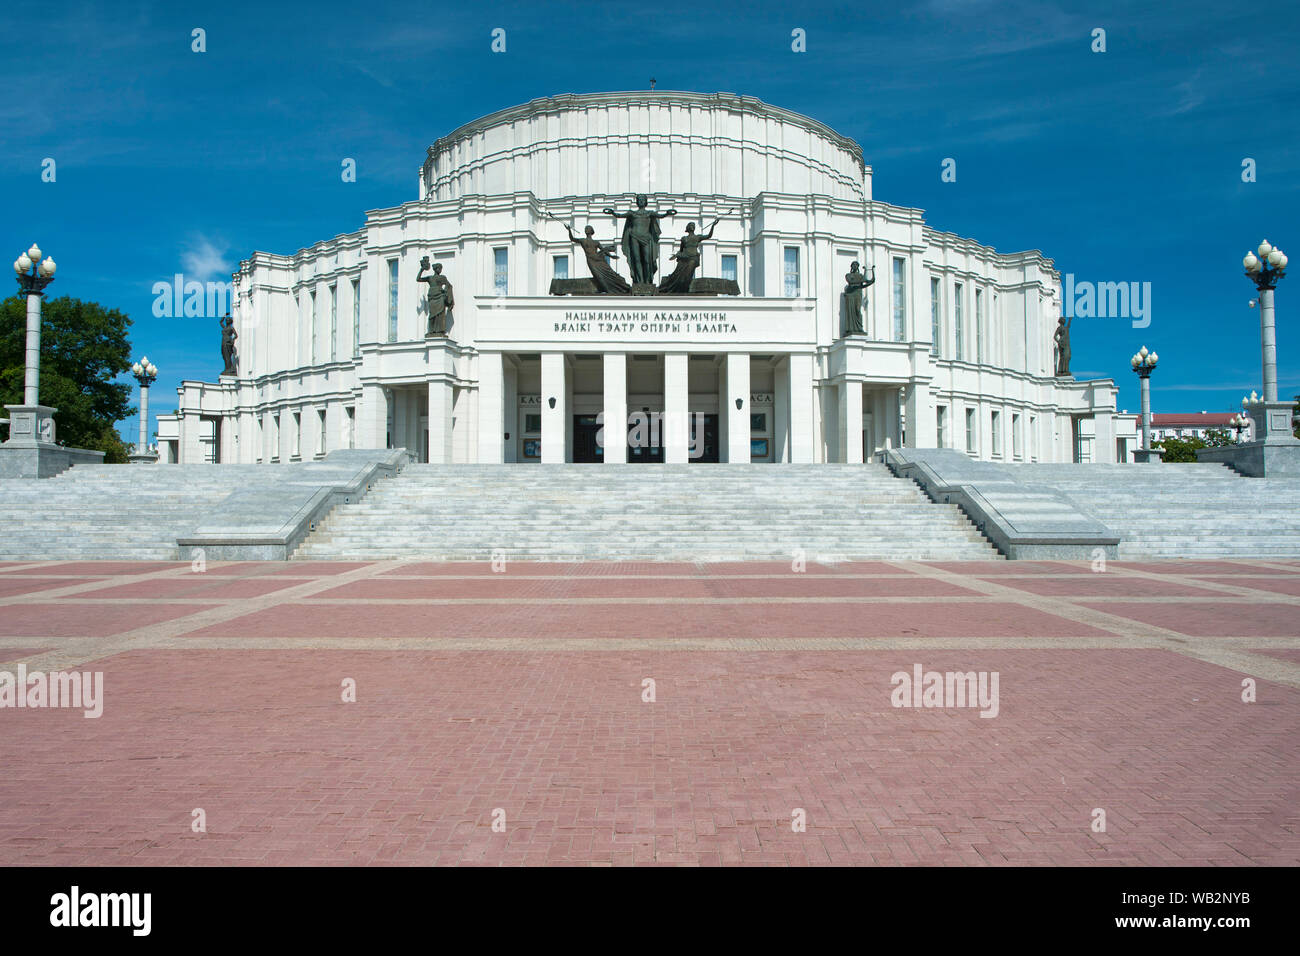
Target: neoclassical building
x=956, y=345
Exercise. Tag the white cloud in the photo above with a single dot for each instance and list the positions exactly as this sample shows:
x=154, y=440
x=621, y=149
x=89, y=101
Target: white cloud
x=204, y=260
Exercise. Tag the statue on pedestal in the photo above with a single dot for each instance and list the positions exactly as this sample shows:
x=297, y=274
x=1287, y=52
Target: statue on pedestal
x=440, y=299
x=603, y=276
x=228, y=336
x=641, y=242
x=855, y=286
x=688, y=260
x=1062, y=339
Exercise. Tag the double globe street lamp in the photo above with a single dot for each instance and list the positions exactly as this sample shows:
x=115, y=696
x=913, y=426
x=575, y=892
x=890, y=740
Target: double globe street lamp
x=146, y=373
x=1144, y=363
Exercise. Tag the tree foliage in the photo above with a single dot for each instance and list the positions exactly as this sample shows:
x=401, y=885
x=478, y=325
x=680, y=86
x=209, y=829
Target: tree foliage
x=1218, y=438
x=84, y=347
x=1179, y=449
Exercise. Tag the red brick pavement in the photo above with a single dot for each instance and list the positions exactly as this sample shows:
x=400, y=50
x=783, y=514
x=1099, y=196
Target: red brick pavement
x=743, y=730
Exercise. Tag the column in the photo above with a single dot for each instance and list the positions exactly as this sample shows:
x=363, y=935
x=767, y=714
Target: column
x=372, y=418
x=554, y=409
x=191, y=446
x=676, y=434
x=441, y=402
x=32, y=372
x=922, y=429
x=1267, y=339
x=491, y=409
x=781, y=413
x=889, y=399
x=1103, y=436
x=801, y=409
x=614, y=429
x=1146, y=411
x=850, y=422
x=737, y=418
x=143, y=446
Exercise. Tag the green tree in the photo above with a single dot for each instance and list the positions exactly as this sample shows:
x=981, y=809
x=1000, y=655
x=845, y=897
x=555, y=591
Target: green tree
x=1179, y=449
x=83, y=349
x=1218, y=438
x=1295, y=417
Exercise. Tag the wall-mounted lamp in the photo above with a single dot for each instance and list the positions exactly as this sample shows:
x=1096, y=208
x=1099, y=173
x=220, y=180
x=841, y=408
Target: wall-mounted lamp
x=739, y=403
x=551, y=401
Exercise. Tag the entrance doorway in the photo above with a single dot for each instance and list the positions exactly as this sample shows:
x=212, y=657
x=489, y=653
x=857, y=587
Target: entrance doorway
x=586, y=449
x=707, y=447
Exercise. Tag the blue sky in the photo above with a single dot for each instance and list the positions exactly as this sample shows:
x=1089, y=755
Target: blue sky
x=1121, y=166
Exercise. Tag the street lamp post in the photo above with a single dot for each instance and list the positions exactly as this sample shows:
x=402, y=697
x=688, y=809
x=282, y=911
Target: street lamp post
x=1275, y=448
x=31, y=424
x=34, y=272
x=1144, y=363
x=31, y=451
x=1239, y=423
x=1265, y=270
x=146, y=373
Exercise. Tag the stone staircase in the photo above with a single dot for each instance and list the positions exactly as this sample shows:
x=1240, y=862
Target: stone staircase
x=1190, y=510
x=118, y=512
x=646, y=512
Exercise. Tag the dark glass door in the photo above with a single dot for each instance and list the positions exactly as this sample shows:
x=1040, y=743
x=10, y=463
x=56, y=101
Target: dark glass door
x=586, y=449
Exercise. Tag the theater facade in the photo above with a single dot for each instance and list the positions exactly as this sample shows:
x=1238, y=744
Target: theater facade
x=535, y=341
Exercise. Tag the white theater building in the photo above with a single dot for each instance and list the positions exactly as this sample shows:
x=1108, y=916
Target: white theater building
x=958, y=351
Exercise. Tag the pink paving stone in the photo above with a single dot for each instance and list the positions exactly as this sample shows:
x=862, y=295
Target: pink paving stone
x=1211, y=620
x=1106, y=585
x=540, y=568
x=589, y=774
x=12, y=587
x=99, y=567
x=988, y=568
x=257, y=568
x=86, y=620
x=195, y=586
x=1276, y=584
x=506, y=586
x=650, y=621
x=1200, y=567
x=811, y=564
x=313, y=568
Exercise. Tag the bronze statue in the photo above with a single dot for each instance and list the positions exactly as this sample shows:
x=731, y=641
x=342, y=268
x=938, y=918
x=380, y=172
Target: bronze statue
x=603, y=276
x=688, y=260
x=641, y=240
x=440, y=299
x=228, y=336
x=1062, y=338
x=854, y=291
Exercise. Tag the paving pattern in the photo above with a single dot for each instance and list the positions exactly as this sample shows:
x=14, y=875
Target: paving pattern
x=502, y=717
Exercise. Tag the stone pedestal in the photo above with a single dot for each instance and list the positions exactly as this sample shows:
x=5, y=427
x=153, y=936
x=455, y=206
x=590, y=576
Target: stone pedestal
x=1274, y=453
x=31, y=451
x=142, y=458
x=1144, y=455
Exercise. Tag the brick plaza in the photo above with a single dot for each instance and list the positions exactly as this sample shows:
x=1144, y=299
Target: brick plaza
x=518, y=696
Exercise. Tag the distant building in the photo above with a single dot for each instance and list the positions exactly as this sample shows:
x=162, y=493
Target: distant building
x=1195, y=425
